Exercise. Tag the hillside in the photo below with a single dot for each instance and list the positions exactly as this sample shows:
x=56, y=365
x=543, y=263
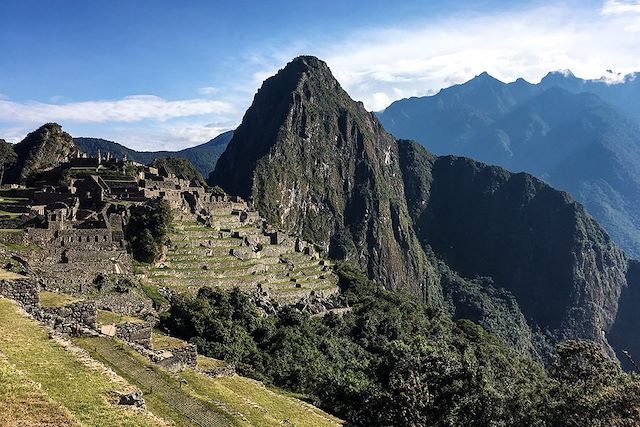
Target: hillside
x=180, y=167
x=502, y=249
x=49, y=380
x=573, y=140
x=42, y=149
x=203, y=156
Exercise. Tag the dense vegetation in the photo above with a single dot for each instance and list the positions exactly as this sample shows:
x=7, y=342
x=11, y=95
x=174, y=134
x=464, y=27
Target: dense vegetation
x=147, y=230
x=395, y=361
x=181, y=168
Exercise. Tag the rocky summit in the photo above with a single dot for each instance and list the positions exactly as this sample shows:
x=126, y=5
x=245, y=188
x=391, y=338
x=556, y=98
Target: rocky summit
x=506, y=250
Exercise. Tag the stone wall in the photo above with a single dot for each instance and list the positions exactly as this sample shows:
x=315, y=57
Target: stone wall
x=129, y=303
x=83, y=313
x=180, y=358
x=136, y=333
x=24, y=291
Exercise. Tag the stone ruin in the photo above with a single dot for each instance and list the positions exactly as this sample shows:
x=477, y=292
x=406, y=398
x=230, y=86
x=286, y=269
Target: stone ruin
x=73, y=232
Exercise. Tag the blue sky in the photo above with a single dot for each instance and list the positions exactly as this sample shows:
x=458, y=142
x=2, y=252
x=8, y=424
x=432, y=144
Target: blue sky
x=166, y=74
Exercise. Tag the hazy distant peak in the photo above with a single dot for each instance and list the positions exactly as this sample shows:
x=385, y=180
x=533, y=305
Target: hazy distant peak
x=485, y=78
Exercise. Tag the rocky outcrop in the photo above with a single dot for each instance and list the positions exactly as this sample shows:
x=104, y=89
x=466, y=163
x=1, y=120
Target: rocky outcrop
x=624, y=333
x=41, y=150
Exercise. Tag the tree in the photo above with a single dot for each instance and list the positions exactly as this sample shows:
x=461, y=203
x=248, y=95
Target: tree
x=147, y=230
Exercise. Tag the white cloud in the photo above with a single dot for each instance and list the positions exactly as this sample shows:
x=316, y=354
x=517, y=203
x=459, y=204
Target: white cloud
x=375, y=65
x=616, y=7
x=379, y=100
x=415, y=60
x=208, y=90
x=129, y=109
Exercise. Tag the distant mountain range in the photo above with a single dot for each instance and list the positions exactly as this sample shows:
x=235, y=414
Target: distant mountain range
x=203, y=156
x=582, y=136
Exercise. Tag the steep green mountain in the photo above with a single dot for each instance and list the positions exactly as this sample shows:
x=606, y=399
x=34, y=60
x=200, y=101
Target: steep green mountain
x=203, y=156
x=505, y=250
x=531, y=240
x=317, y=164
x=575, y=141
x=40, y=150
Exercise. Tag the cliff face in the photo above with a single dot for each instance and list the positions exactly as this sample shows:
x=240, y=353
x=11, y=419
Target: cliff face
x=45, y=148
x=533, y=241
x=317, y=164
x=505, y=250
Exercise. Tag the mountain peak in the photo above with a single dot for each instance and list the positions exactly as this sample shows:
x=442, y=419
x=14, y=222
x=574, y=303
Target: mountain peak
x=309, y=158
x=485, y=77
x=560, y=75
x=308, y=61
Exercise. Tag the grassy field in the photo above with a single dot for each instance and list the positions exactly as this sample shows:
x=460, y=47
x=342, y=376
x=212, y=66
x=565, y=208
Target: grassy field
x=106, y=317
x=25, y=404
x=8, y=275
x=242, y=401
x=258, y=405
x=55, y=299
x=160, y=340
x=41, y=380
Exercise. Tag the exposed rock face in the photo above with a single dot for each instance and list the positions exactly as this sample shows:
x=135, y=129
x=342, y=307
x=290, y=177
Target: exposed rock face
x=43, y=149
x=317, y=164
x=503, y=249
x=533, y=241
x=624, y=334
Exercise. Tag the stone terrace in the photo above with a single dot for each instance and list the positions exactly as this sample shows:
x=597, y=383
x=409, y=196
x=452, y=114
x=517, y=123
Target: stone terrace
x=234, y=250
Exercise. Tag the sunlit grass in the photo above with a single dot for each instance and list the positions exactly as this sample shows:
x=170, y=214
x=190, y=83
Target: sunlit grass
x=65, y=382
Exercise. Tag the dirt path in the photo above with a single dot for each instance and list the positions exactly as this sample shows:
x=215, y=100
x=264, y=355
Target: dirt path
x=154, y=382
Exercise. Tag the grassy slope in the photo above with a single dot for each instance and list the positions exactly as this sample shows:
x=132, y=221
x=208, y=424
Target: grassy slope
x=55, y=299
x=245, y=401
x=25, y=403
x=39, y=368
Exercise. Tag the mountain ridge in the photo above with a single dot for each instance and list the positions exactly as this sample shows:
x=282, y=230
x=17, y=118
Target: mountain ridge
x=325, y=168
x=203, y=156
x=572, y=139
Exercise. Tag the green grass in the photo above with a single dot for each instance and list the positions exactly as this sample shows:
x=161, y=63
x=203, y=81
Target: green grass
x=259, y=405
x=22, y=401
x=55, y=299
x=19, y=247
x=152, y=292
x=67, y=385
x=248, y=402
x=11, y=215
x=156, y=402
x=161, y=341
x=106, y=317
x=205, y=363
